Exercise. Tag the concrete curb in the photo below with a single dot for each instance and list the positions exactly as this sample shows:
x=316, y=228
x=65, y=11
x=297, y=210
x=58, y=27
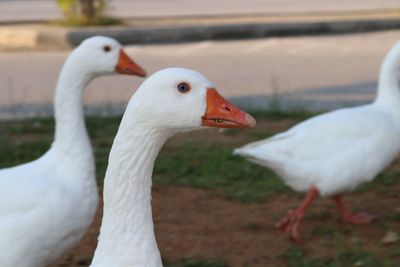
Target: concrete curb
x=33, y=37
x=47, y=37
x=231, y=32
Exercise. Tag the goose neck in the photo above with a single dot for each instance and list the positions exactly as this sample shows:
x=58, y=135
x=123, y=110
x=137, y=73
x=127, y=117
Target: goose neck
x=388, y=89
x=127, y=232
x=70, y=129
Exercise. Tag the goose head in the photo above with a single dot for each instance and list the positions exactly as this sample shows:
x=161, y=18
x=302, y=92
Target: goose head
x=101, y=55
x=182, y=99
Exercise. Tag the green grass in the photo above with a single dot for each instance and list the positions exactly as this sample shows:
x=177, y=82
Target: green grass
x=214, y=167
x=27, y=140
x=15, y=150
x=280, y=114
x=382, y=181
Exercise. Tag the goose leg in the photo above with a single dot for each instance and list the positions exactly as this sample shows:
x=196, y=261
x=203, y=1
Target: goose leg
x=291, y=222
x=349, y=217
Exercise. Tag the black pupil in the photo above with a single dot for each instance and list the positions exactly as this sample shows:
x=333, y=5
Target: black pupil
x=107, y=48
x=183, y=87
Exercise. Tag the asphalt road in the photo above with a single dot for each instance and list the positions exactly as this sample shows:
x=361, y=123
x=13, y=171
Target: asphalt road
x=313, y=72
x=32, y=10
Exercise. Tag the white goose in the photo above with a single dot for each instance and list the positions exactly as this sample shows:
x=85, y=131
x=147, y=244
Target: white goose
x=46, y=205
x=170, y=101
x=335, y=152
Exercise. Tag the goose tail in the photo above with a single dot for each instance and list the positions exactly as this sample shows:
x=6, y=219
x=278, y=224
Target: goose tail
x=263, y=158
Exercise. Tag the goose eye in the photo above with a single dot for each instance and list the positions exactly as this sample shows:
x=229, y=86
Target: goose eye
x=106, y=48
x=183, y=87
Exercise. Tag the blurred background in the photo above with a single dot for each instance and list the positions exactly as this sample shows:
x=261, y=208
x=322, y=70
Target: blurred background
x=282, y=60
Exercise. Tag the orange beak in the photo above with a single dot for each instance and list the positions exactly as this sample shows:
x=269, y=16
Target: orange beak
x=221, y=113
x=127, y=66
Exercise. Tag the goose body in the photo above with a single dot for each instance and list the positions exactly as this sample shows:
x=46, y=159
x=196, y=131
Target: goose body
x=337, y=151
x=46, y=205
x=171, y=101
x=60, y=208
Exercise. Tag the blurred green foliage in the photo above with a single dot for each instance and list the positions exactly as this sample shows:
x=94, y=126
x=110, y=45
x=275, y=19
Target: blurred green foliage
x=85, y=13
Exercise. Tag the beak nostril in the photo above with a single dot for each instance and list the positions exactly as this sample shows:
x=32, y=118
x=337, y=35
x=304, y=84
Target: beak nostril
x=227, y=108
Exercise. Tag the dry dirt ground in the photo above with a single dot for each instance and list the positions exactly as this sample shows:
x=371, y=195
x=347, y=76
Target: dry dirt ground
x=193, y=223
